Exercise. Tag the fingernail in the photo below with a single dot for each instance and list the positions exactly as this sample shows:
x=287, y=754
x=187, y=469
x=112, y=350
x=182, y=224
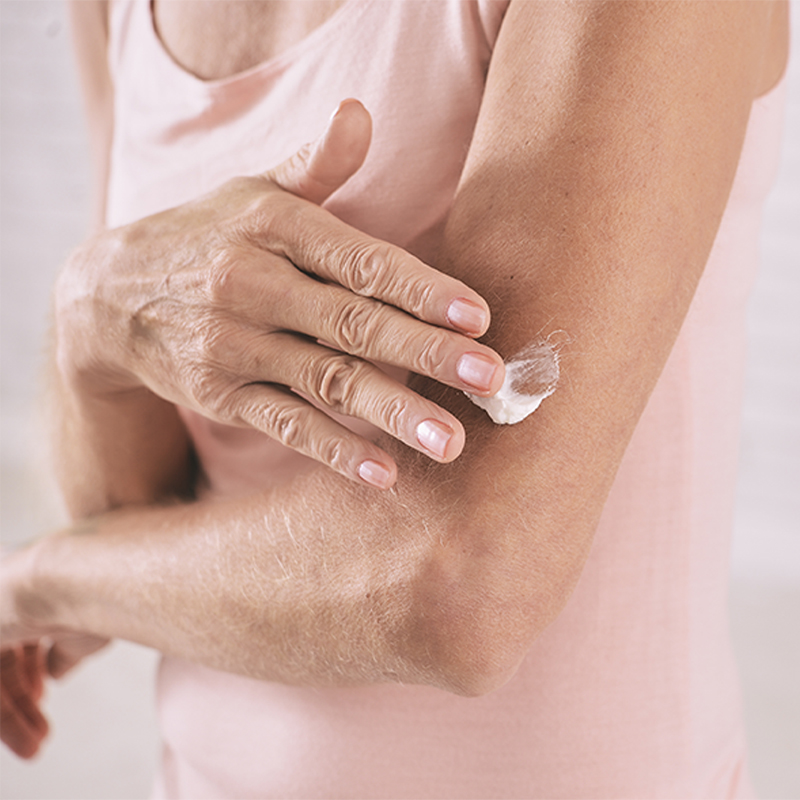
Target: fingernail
x=335, y=112
x=375, y=474
x=467, y=315
x=476, y=370
x=434, y=436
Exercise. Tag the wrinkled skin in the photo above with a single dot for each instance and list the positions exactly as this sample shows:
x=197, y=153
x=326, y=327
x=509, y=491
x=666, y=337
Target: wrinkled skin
x=220, y=306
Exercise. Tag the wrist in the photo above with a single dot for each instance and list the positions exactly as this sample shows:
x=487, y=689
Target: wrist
x=45, y=595
x=25, y=608
x=90, y=356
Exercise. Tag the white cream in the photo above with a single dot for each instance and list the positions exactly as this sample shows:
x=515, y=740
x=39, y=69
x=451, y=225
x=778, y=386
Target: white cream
x=531, y=375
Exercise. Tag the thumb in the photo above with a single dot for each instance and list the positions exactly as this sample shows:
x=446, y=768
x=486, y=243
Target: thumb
x=318, y=169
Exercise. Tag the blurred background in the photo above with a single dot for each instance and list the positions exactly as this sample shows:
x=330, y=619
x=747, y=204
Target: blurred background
x=104, y=743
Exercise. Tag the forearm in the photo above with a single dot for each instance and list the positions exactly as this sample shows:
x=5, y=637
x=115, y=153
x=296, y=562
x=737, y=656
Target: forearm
x=281, y=586
x=444, y=581
x=127, y=449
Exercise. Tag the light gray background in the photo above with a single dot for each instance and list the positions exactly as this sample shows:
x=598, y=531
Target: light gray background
x=104, y=742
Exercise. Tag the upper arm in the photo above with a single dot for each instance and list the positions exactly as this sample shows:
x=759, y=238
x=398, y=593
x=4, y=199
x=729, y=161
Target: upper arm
x=89, y=23
x=600, y=168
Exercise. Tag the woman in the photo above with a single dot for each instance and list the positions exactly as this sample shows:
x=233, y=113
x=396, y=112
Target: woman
x=602, y=151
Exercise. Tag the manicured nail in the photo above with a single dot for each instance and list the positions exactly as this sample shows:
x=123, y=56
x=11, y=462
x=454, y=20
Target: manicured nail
x=434, y=436
x=375, y=474
x=476, y=370
x=467, y=316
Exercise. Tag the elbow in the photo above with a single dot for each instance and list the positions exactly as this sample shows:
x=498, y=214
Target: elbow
x=471, y=646
x=475, y=617
x=475, y=661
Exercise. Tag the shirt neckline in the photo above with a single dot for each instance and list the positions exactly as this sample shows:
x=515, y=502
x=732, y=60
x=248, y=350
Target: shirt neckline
x=273, y=64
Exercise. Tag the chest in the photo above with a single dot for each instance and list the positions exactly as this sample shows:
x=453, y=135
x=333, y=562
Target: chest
x=218, y=38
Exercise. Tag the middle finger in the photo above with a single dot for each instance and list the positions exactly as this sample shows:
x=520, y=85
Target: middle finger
x=368, y=328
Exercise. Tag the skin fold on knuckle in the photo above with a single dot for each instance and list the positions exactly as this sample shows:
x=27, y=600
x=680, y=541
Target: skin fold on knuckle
x=412, y=292
x=431, y=353
x=393, y=415
x=267, y=216
x=357, y=325
x=225, y=278
x=337, y=381
x=337, y=453
x=288, y=423
x=206, y=389
x=366, y=268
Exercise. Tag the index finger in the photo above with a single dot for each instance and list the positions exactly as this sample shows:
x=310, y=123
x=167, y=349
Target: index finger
x=318, y=243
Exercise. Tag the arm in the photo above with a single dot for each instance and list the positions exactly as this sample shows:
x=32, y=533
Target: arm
x=99, y=434
x=589, y=203
x=213, y=305
x=190, y=307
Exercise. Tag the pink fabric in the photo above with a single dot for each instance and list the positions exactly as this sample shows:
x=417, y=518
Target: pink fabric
x=632, y=692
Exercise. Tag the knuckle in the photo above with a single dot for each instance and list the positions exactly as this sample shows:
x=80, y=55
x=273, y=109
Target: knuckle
x=356, y=325
x=220, y=281
x=205, y=373
x=209, y=341
x=378, y=269
x=203, y=388
x=415, y=293
x=432, y=354
x=392, y=413
x=337, y=381
x=275, y=217
x=334, y=452
x=287, y=423
x=367, y=267
x=238, y=187
x=295, y=425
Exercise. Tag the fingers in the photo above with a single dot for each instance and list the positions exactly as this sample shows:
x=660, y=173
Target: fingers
x=360, y=326
x=320, y=168
x=32, y=669
x=346, y=385
x=353, y=387
x=341, y=254
x=356, y=325
x=256, y=395
x=22, y=724
x=298, y=425
x=324, y=246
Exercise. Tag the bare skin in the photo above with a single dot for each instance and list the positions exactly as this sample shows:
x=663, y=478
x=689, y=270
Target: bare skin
x=215, y=39
x=615, y=203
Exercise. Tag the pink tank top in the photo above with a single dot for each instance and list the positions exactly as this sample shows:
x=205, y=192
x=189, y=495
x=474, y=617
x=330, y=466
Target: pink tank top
x=632, y=691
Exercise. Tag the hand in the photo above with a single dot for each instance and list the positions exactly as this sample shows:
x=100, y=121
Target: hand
x=222, y=305
x=29, y=654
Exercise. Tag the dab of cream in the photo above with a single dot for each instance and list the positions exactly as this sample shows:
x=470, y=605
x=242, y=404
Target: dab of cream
x=531, y=375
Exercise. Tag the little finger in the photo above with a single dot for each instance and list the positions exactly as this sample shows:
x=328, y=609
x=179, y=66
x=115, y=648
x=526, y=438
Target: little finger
x=298, y=425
